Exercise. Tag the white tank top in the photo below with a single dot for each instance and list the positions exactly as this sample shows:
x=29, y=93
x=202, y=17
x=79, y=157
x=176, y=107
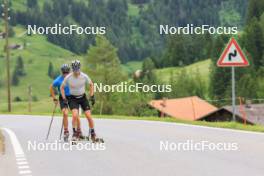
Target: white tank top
x=78, y=84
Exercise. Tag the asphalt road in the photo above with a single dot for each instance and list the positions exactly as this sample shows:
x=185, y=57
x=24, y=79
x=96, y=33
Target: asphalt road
x=132, y=148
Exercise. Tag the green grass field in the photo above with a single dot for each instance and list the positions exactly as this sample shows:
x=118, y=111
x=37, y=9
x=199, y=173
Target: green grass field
x=203, y=67
x=133, y=10
x=36, y=56
x=132, y=66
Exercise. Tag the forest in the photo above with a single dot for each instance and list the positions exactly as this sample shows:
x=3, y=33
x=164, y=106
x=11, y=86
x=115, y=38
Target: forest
x=134, y=34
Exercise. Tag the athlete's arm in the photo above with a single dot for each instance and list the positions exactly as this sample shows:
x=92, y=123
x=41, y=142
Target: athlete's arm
x=62, y=87
x=91, y=91
x=52, y=93
x=62, y=91
x=89, y=84
x=91, y=87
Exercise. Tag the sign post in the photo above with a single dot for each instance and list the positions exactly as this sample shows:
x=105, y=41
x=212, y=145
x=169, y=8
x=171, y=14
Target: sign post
x=233, y=93
x=233, y=56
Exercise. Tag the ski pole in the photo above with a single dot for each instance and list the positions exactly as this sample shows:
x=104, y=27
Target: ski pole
x=61, y=128
x=52, y=117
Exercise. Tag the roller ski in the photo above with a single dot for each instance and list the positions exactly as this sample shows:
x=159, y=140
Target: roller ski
x=77, y=136
x=66, y=136
x=92, y=137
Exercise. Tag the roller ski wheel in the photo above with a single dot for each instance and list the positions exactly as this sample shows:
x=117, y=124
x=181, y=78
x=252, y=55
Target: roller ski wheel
x=94, y=139
x=75, y=138
x=73, y=141
x=99, y=140
x=82, y=138
x=66, y=136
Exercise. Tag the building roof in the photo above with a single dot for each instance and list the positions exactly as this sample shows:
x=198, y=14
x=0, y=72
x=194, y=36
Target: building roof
x=189, y=108
x=254, y=113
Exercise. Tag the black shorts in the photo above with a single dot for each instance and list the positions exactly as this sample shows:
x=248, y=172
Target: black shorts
x=62, y=104
x=76, y=101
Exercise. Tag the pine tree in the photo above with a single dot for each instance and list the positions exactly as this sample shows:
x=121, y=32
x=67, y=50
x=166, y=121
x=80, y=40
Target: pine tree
x=18, y=71
x=219, y=77
x=148, y=76
x=11, y=32
x=15, y=78
x=103, y=65
x=103, y=62
x=20, y=67
x=175, y=54
x=247, y=87
x=208, y=45
x=51, y=70
x=255, y=9
x=254, y=42
x=262, y=22
x=32, y=3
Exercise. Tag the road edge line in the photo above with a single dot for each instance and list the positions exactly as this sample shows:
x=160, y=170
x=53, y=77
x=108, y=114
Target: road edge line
x=19, y=153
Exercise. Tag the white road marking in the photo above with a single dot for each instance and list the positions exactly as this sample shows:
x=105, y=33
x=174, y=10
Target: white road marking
x=23, y=167
x=22, y=163
x=25, y=172
x=20, y=156
x=21, y=159
x=16, y=145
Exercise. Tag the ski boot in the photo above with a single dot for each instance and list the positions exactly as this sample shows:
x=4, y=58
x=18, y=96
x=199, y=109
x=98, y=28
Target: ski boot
x=95, y=139
x=74, y=138
x=81, y=136
x=66, y=136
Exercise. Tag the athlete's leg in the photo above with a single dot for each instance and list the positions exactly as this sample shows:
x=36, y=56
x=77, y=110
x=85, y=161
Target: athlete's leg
x=89, y=118
x=64, y=110
x=78, y=124
x=65, y=118
x=75, y=114
x=87, y=112
x=88, y=115
x=74, y=106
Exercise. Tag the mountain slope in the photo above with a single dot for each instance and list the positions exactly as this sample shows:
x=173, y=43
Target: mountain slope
x=36, y=56
x=203, y=67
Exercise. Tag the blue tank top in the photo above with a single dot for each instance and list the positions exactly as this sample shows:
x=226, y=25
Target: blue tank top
x=57, y=84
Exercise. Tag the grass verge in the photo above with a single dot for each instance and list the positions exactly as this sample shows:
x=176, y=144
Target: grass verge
x=227, y=125
x=2, y=144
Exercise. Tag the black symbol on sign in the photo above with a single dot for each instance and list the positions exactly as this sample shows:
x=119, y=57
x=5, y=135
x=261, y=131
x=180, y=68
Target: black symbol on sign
x=230, y=55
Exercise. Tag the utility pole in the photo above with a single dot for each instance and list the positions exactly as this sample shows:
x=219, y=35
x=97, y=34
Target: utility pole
x=6, y=19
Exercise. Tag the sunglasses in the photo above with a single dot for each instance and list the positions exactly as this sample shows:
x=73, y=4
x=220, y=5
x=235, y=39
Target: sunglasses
x=65, y=73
